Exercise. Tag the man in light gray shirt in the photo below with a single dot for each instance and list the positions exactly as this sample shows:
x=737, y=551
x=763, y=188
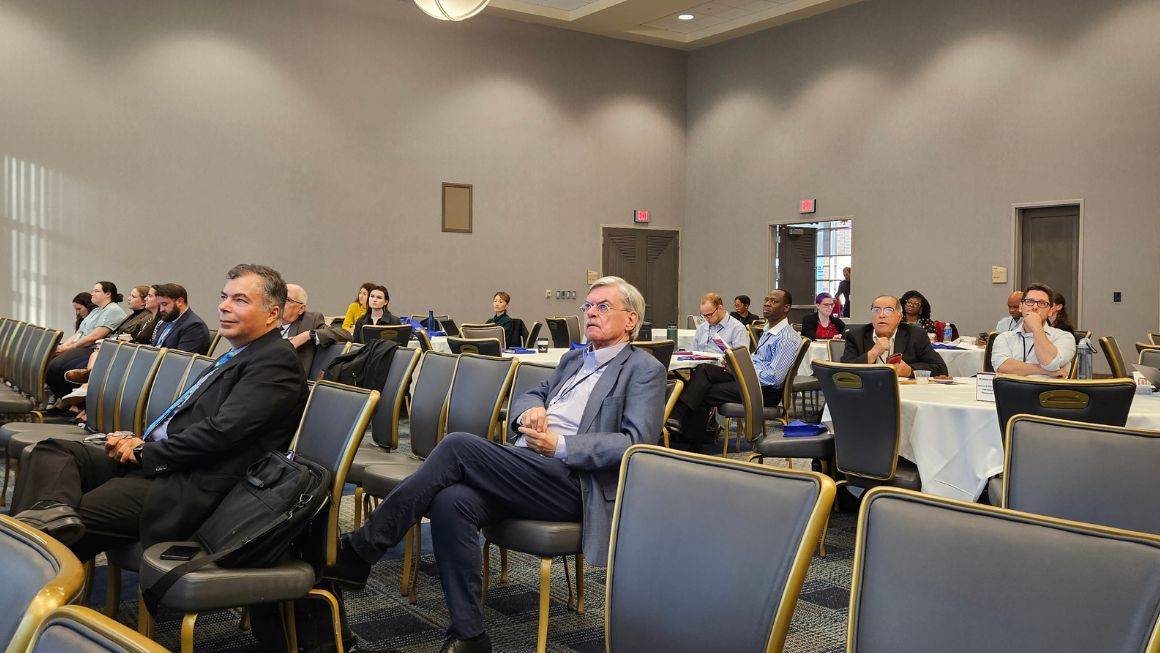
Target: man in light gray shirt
x=1034, y=349
x=1011, y=322
x=720, y=330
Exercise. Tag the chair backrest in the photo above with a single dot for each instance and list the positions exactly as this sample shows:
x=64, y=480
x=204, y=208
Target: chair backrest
x=12, y=330
x=575, y=334
x=385, y=422
x=478, y=388
x=558, y=327
x=529, y=376
x=740, y=362
x=934, y=574
x=691, y=321
x=867, y=415
x=1099, y=401
x=218, y=347
x=835, y=348
x=662, y=350
x=987, y=365
x=449, y=326
x=747, y=572
x=198, y=367
x=24, y=350
x=97, y=376
x=1143, y=346
x=324, y=356
x=38, y=365
x=474, y=331
x=40, y=575
x=77, y=629
x=429, y=400
x=1154, y=338
x=534, y=334
x=673, y=389
x=1115, y=359
x=787, y=395
x=331, y=430
x=1083, y=472
x=166, y=383
x=372, y=332
x=485, y=346
x=134, y=391
x=111, y=388
x=215, y=338
x=400, y=333
x=1150, y=358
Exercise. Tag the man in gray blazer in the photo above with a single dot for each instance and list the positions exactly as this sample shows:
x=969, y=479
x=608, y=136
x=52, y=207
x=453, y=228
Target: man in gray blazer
x=306, y=330
x=563, y=466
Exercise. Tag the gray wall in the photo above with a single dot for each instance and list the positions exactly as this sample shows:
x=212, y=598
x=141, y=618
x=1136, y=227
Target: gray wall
x=164, y=140
x=926, y=120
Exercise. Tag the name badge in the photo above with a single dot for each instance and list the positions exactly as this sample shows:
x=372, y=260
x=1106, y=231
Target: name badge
x=985, y=387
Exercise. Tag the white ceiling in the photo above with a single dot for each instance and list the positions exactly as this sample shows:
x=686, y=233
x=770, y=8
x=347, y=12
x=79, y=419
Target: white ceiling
x=655, y=21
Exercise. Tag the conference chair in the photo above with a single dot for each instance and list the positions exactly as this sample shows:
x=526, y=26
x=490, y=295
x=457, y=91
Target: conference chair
x=475, y=331
x=449, y=326
x=662, y=350
x=673, y=389
x=934, y=574
x=77, y=629
x=835, y=348
x=692, y=321
x=324, y=356
x=40, y=575
x=1149, y=357
x=136, y=387
x=1095, y=401
x=1154, y=338
x=558, y=328
x=334, y=320
x=329, y=433
x=744, y=536
x=485, y=346
x=987, y=366
x=533, y=335
x=477, y=394
x=400, y=333
x=1082, y=472
x=1115, y=359
x=384, y=424
x=528, y=376
x=1143, y=347
x=428, y=412
x=7, y=326
x=29, y=395
x=215, y=339
x=424, y=340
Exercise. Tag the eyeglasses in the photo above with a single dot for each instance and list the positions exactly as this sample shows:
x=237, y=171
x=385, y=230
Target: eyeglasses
x=296, y=301
x=1031, y=303
x=887, y=310
x=602, y=308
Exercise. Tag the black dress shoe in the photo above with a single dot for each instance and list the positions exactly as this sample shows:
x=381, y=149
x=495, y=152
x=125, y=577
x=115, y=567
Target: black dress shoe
x=478, y=644
x=57, y=521
x=349, y=569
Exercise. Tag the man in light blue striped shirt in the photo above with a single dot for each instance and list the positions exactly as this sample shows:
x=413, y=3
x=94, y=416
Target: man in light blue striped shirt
x=720, y=330
x=710, y=385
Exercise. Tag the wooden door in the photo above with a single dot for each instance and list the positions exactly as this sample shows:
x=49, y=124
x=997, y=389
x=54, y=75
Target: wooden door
x=650, y=260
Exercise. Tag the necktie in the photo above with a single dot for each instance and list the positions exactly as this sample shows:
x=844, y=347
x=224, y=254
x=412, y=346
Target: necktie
x=222, y=360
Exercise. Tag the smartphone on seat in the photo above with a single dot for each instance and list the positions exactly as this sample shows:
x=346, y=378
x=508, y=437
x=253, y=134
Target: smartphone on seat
x=180, y=552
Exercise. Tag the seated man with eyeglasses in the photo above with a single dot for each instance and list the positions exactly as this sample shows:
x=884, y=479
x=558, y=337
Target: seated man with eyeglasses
x=1033, y=348
x=886, y=340
x=564, y=466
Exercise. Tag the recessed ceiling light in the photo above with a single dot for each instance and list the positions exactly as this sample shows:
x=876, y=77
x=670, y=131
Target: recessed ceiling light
x=685, y=17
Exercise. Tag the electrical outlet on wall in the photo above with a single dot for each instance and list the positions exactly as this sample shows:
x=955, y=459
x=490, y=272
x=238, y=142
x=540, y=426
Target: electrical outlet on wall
x=547, y=294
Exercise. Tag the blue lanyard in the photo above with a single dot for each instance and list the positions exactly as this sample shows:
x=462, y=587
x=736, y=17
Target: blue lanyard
x=222, y=360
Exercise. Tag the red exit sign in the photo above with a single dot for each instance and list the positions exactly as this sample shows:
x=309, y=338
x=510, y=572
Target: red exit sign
x=808, y=206
x=640, y=215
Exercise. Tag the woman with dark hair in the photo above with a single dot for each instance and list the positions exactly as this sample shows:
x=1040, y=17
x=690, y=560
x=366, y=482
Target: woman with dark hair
x=916, y=310
x=358, y=307
x=98, y=324
x=139, y=317
x=82, y=306
x=499, y=306
x=377, y=300
x=1058, y=316
x=823, y=324
x=741, y=310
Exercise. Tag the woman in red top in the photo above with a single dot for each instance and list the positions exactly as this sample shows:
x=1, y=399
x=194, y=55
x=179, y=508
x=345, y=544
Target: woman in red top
x=823, y=325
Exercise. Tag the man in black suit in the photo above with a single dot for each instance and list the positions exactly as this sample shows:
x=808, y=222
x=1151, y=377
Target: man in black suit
x=162, y=486
x=905, y=347
x=306, y=330
x=179, y=328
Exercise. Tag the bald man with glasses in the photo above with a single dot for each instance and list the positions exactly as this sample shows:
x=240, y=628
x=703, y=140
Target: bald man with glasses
x=889, y=341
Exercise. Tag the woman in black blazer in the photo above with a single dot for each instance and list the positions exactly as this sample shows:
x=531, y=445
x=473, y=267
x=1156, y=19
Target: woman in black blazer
x=823, y=324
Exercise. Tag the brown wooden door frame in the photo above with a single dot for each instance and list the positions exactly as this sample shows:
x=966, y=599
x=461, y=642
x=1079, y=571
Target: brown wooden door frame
x=646, y=229
x=1075, y=304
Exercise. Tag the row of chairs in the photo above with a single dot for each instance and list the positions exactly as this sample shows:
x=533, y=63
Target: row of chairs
x=25, y=350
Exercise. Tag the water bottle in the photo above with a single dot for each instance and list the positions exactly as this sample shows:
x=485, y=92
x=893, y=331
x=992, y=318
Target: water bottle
x=1085, y=359
x=671, y=332
x=431, y=323
x=948, y=333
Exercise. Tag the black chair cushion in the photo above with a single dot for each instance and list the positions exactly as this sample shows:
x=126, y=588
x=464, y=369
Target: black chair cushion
x=776, y=445
x=370, y=454
x=995, y=490
x=738, y=410
x=14, y=403
x=126, y=557
x=541, y=538
x=378, y=480
x=212, y=588
x=806, y=384
x=905, y=476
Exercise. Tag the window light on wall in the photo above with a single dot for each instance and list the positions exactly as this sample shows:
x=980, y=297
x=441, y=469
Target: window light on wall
x=451, y=9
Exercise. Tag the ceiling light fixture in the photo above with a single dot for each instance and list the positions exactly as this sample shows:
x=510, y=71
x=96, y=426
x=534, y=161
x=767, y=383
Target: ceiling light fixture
x=451, y=9
x=685, y=17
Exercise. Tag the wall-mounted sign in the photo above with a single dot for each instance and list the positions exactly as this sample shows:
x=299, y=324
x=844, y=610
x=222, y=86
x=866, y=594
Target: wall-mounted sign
x=640, y=216
x=808, y=206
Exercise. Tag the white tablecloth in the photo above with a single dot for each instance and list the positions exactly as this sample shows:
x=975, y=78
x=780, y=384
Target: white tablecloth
x=960, y=362
x=955, y=441
x=684, y=337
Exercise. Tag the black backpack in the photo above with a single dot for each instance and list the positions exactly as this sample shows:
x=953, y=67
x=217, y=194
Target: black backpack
x=259, y=521
x=365, y=368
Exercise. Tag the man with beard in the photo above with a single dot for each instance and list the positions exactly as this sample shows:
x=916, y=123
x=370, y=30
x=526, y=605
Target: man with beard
x=180, y=328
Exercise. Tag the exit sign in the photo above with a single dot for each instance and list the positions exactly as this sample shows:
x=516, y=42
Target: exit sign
x=808, y=206
x=640, y=216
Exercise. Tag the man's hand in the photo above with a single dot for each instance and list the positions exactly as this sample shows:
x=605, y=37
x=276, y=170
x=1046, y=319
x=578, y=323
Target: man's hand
x=542, y=442
x=120, y=445
x=1033, y=321
x=902, y=369
x=536, y=419
x=60, y=349
x=881, y=346
x=1056, y=374
x=300, y=339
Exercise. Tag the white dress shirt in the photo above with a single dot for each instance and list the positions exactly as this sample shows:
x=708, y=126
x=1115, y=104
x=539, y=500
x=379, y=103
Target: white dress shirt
x=1020, y=345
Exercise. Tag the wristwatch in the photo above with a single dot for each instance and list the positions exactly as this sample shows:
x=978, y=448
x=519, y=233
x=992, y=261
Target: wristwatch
x=137, y=451
x=314, y=336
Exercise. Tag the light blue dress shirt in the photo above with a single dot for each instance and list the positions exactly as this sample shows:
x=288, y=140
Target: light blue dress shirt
x=775, y=354
x=730, y=330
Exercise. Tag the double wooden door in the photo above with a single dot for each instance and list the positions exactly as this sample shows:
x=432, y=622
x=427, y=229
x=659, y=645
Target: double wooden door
x=650, y=260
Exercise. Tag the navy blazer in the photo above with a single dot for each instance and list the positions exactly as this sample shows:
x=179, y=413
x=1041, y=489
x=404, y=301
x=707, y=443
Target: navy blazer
x=188, y=333
x=625, y=408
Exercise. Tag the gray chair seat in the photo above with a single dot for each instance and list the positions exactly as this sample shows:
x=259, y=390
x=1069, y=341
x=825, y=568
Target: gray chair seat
x=378, y=480
x=19, y=441
x=905, y=476
x=368, y=455
x=738, y=410
x=806, y=384
x=15, y=403
x=995, y=490
x=776, y=445
x=126, y=557
x=213, y=588
x=542, y=538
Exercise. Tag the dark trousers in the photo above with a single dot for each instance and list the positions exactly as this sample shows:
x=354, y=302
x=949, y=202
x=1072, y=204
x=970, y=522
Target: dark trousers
x=710, y=386
x=72, y=359
x=468, y=482
x=106, y=495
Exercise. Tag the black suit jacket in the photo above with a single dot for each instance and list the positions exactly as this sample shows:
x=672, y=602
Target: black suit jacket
x=189, y=333
x=327, y=335
x=911, y=341
x=810, y=325
x=247, y=407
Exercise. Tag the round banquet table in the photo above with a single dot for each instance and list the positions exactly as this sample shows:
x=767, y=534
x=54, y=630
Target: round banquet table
x=967, y=361
x=955, y=440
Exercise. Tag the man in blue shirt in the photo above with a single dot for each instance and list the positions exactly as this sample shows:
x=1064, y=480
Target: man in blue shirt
x=710, y=385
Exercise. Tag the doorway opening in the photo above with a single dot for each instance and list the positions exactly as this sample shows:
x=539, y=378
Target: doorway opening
x=808, y=258
x=1049, y=249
